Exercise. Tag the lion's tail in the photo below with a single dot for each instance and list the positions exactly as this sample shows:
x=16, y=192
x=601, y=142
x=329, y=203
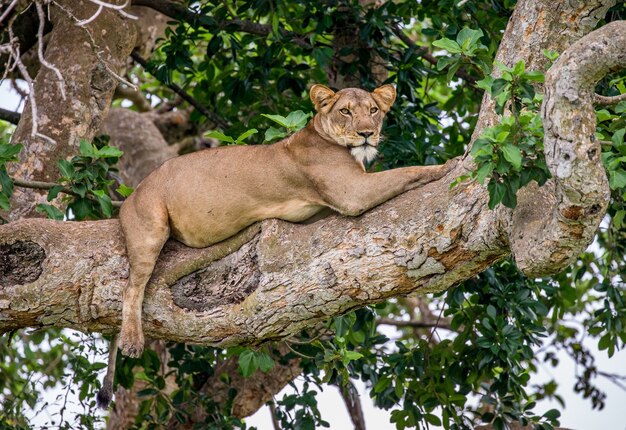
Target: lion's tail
x=106, y=392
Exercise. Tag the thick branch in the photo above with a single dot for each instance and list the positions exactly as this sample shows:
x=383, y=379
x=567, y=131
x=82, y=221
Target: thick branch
x=289, y=276
x=547, y=236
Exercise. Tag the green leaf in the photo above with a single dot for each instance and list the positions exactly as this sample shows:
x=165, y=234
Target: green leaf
x=603, y=115
x=535, y=76
x=266, y=363
x=274, y=133
x=8, y=152
x=50, y=211
x=105, y=203
x=353, y=355
x=54, y=192
x=296, y=120
x=467, y=38
x=66, y=169
x=617, y=179
x=109, y=152
x=248, y=363
x=620, y=107
x=219, y=136
x=5, y=205
x=87, y=149
x=552, y=414
x=618, y=137
x=245, y=135
x=279, y=119
x=512, y=154
x=519, y=68
x=496, y=192
x=483, y=172
x=124, y=190
x=449, y=45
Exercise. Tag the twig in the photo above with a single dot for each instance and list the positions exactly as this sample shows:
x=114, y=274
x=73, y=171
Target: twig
x=42, y=60
x=40, y=185
x=29, y=81
x=101, y=6
x=275, y=423
x=412, y=324
x=10, y=116
x=8, y=10
x=607, y=101
x=184, y=95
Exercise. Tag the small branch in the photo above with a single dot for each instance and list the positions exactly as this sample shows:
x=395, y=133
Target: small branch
x=607, y=101
x=10, y=116
x=413, y=324
x=275, y=422
x=181, y=13
x=184, y=95
x=8, y=10
x=40, y=185
x=353, y=404
x=423, y=52
x=42, y=60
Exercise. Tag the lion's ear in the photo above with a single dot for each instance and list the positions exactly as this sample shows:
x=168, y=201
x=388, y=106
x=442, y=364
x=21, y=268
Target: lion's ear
x=320, y=96
x=384, y=97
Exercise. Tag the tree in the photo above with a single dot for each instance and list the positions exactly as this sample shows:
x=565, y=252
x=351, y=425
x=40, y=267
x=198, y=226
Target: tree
x=243, y=318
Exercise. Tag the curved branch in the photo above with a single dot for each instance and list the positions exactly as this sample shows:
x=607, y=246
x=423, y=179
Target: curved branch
x=607, y=101
x=547, y=235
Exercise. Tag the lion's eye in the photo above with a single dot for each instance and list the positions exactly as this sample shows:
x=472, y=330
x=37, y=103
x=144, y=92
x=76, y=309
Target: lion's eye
x=373, y=110
x=344, y=111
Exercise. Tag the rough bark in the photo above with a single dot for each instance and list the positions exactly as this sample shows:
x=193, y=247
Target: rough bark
x=86, y=56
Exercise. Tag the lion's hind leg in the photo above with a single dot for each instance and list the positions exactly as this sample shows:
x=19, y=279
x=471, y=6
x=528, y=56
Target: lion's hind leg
x=145, y=232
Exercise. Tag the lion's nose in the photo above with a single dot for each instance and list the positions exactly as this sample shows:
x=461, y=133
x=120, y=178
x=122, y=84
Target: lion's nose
x=365, y=134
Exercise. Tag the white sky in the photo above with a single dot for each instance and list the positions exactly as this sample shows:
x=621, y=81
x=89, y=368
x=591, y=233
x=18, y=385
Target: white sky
x=577, y=414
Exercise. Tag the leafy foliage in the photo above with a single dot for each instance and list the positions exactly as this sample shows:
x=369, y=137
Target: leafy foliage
x=85, y=180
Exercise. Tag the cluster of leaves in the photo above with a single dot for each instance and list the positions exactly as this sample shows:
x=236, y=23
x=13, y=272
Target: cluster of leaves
x=288, y=125
x=510, y=154
x=85, y=181
x=466, y=49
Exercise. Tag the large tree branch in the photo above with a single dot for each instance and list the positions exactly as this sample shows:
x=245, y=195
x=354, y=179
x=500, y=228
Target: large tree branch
x=275, y=278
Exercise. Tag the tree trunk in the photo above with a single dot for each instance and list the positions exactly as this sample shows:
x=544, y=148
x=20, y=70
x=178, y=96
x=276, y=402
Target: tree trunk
x=93, y=53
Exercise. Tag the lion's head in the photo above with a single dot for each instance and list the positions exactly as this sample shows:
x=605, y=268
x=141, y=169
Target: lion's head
x=352, y=117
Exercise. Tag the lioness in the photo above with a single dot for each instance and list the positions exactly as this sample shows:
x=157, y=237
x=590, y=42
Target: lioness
x=207, y=196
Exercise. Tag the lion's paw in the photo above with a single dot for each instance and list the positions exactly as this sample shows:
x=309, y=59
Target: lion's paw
x=131, y=346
